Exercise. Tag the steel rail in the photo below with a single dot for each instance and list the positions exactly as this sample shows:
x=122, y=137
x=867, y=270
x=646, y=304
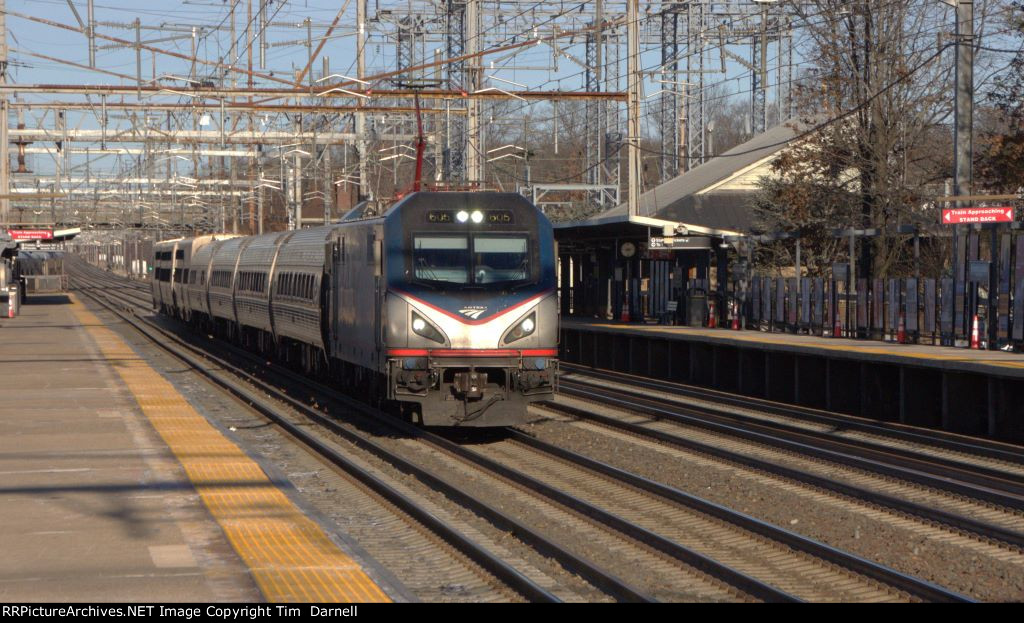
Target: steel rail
x=940, y=439
x=750, y=585
x=917, y=471
x=713, y=568
x=975, y=474
x=491, y=563
x=599, y=578
x=927, y=513
x=902, y=581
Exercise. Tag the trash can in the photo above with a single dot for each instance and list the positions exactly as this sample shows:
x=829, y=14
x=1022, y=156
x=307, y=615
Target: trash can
x=696, y=308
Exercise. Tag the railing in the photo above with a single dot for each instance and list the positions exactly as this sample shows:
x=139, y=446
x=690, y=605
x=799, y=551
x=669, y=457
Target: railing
x=905, y=309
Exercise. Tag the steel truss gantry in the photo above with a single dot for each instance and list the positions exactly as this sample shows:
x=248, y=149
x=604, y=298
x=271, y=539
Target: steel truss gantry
x=213, y=111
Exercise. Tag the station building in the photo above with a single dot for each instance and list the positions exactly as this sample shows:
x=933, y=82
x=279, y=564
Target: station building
x=622, y=266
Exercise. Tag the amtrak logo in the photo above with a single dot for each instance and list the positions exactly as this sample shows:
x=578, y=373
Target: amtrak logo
x=472, y=312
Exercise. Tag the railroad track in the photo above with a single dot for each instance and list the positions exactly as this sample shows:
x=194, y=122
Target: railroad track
x=940, y=494
x=989, y=465
x=479, y=568
x=968, y=449
x=702, y=586
x=678, y=539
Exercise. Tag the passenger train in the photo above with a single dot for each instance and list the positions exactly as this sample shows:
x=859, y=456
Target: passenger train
x=445, y=305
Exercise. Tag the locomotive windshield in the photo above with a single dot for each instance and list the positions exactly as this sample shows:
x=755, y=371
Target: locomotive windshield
x=480, y=260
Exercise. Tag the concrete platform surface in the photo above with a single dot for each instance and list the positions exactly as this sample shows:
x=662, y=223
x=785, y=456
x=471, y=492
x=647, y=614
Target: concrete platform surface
x=99, y=500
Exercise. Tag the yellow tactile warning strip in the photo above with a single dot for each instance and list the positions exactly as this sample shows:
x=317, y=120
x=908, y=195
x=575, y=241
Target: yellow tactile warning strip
x=752, y=337
x=290, y=557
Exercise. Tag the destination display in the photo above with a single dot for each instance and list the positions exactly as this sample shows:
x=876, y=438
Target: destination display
x=493, y=217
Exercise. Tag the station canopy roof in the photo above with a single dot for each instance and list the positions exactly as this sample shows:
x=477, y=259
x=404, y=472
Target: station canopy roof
x=711, y=199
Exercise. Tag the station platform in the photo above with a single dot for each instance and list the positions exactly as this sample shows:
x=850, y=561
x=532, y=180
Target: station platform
x=115, y=488
x=975, y=392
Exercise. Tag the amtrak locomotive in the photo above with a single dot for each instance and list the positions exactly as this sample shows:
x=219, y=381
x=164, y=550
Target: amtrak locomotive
x=444, y=306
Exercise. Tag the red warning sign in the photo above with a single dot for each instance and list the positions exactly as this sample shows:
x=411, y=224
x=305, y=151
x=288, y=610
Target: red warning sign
x=956, y=216
x=31, y=234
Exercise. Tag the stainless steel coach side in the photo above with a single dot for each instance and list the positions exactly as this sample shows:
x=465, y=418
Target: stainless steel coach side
x=164, y=253
x=221, y=289
x=297, y=284
x=196, y=302
x=252, y=291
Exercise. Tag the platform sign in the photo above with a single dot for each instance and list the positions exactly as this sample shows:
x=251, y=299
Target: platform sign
x=31, y=234
x=957, y=216
x=679, y=242
x=840, y=271
x=979, y=271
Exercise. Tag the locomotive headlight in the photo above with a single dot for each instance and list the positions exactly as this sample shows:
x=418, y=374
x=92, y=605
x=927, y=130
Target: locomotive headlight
x=521, y=330
x=477, y=216
x=425, y=329
x=462, y=216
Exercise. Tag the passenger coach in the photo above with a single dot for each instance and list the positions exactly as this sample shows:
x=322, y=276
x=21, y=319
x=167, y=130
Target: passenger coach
x=444, y=306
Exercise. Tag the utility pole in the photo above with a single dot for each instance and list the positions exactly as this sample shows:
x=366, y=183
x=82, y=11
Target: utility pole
x=475, y=129
x=962, y=172
x=963, y=139
x=5, y=145
x=669, y=96
x=263, y=32
x=595, y=110
x=297, y=191
x=328, y=185
x=633, y=103
x=361, y=146
x=92, y=34
x=231, y=52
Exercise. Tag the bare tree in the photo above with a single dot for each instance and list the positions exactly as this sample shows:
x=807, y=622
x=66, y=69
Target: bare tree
x=1001, y=139
x=876, y=78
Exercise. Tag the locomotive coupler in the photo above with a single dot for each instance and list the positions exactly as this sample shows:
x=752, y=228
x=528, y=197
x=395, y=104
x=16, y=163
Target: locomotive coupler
x=469, y=385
